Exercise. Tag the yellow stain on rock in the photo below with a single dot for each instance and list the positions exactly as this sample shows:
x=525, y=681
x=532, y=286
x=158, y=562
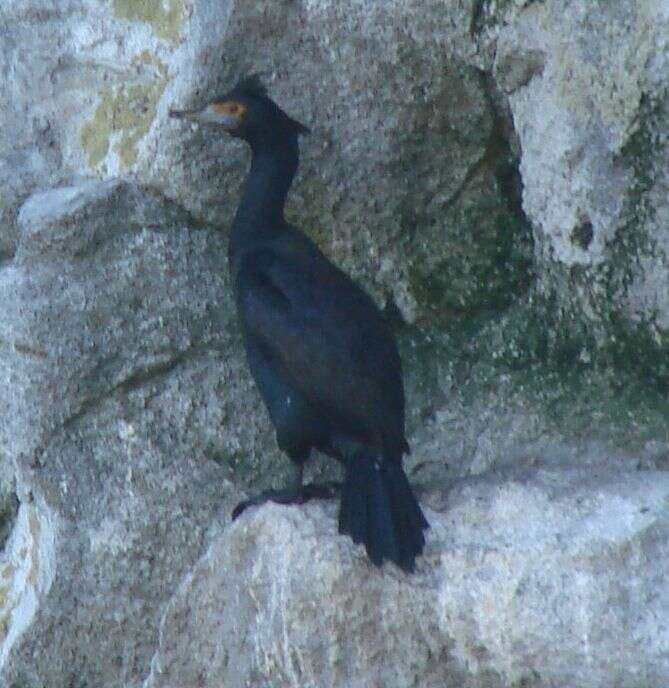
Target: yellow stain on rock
x=35, y=530
x=124, y=114
x=164, y=16
x=6, y=574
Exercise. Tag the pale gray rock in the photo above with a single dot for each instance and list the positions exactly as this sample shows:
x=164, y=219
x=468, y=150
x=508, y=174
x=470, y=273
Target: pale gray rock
x=116, y=350
x=89, y=87
x=84, y=83
x=366, y=191
x=531, y=579
x=496, y=172
x=648, y=294
x=577, y=79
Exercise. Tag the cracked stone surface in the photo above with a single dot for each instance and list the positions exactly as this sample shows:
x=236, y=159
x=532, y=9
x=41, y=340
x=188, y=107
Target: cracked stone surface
x=86, y=83
x=535, y=578
x=495, y=174
x=114, y=356
x=577, y=80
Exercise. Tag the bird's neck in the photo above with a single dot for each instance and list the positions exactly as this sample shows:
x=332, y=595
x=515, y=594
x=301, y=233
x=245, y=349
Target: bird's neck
x=273, y=166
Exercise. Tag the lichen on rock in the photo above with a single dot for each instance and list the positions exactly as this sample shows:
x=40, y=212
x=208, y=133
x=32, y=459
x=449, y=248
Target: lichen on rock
x=124, y=115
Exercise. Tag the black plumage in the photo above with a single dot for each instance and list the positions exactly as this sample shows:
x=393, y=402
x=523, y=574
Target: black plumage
x=319, y=349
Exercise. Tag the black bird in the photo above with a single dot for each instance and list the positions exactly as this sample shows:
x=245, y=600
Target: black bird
x=318, y=347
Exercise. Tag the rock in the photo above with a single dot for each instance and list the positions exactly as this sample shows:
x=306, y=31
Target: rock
x=496, y=175
x=367, y=191
x=106, y=78
x=587, y=84
x=386, y=84
x=539, y=578
x=115, y=337
x=86, y=84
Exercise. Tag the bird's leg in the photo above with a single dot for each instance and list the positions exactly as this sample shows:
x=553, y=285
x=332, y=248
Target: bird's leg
x=294, y=492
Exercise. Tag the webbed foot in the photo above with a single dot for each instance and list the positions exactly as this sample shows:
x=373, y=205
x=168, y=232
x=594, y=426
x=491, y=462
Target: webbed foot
x=290, y=495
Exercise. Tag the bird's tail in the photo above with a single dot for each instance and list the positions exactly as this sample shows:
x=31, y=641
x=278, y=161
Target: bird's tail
x=379, y=509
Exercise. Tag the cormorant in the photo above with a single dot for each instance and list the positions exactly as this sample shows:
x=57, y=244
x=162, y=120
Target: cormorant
x=318, y=347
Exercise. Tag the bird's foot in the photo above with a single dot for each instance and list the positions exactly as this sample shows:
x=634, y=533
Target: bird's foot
x=290, y=495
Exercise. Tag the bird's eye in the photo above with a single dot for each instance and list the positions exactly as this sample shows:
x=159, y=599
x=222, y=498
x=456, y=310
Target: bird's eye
x=233, y=108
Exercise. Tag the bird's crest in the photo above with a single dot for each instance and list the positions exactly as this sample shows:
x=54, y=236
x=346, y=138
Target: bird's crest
x=251, y=85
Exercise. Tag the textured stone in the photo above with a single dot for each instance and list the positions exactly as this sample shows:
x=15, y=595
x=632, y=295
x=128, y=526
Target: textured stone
x=379, y=93
x=85, y=84
x=114, y=344
x=90, y=89
x=493, y=171
x=578, y=80
x=535, y=579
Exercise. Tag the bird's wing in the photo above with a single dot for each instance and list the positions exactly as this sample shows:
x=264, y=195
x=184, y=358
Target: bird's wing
x=325, y=333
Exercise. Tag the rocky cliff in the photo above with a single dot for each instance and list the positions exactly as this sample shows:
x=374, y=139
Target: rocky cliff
x=496, y=174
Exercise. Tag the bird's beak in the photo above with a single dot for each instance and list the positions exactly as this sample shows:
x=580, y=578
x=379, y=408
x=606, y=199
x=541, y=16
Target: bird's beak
x=186, y=114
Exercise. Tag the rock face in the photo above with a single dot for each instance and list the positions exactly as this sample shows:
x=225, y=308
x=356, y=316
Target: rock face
x=496, y=174
x=114, y=336
x=541, y=579
x=86, y=84
x=594, y=85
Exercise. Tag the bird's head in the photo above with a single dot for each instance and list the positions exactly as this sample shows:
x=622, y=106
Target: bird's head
x=246, y=112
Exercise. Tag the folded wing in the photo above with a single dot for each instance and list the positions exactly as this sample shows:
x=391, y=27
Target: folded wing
x=328, y=338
